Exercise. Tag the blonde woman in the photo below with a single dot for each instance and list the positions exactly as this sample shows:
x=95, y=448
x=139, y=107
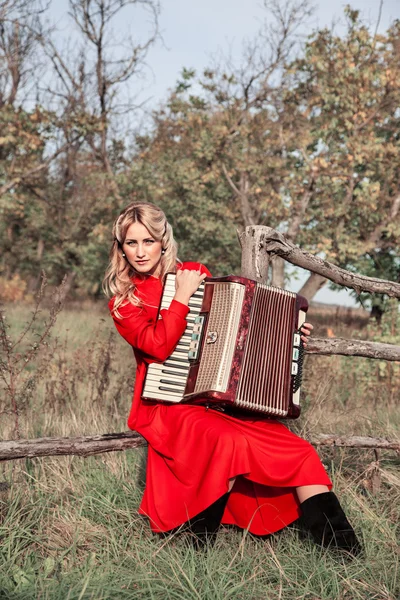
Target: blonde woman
x=205, y=466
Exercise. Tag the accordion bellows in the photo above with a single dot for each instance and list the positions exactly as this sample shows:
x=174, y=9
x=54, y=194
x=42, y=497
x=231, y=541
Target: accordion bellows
x=241, y=349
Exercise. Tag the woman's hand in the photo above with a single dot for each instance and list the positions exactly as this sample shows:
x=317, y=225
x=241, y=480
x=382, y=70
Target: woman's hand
x=306, y=331
x=187, y=283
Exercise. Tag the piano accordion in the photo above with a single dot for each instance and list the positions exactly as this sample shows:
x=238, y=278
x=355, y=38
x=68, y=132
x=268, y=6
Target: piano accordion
x=241, y=349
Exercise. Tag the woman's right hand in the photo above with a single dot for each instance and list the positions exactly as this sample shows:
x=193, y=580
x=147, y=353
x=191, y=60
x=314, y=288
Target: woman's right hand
x=187, y=283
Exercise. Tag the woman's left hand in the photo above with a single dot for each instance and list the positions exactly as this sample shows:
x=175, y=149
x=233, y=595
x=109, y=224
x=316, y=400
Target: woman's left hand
x=306, y=331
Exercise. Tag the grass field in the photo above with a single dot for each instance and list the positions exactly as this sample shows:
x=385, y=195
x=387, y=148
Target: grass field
x=69, y=527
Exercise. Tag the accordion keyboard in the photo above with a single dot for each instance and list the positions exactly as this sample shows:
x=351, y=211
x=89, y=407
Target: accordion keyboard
x=167, y=381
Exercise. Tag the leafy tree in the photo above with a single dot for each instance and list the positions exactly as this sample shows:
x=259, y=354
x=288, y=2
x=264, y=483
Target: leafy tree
x=346, y=92
x=59, y=165
x=314, y=152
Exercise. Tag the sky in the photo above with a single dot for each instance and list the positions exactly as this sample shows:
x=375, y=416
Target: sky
x=194, y=31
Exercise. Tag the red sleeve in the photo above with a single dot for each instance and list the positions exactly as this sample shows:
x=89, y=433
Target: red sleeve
x=155, y=339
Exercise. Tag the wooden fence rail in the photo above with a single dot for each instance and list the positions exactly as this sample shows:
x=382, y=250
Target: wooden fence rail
x=258, y=241
x=259, y=244
x=348, y=347
x=114, y=442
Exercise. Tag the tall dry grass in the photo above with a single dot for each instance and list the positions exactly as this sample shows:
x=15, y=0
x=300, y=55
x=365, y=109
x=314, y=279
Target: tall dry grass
x=69, y=527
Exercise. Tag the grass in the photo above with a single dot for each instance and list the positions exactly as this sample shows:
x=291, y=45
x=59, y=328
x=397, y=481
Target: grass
x=69, y=528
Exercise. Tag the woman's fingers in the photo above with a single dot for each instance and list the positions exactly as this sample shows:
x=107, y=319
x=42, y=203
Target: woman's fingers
x=306, y=331
x=189, y=281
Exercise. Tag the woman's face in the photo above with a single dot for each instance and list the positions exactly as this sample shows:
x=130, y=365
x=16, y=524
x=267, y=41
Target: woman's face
x=142, y=251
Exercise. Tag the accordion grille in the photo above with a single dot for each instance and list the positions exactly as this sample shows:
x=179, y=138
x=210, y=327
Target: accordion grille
x=220, y=337
x=270, y=335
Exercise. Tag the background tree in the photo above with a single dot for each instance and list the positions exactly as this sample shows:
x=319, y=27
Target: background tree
x=220, y=150
x=346, y=91
x=311, y=150
x=303, y=138
x=84, y=94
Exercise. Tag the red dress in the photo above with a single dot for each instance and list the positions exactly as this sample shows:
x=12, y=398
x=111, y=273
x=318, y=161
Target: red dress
x=194, y=452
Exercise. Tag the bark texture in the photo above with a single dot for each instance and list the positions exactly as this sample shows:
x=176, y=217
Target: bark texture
x=353, y=348
x=116, y=442
x=78, y=446
x=353, y=441
x=271, y=242
x=255, y=263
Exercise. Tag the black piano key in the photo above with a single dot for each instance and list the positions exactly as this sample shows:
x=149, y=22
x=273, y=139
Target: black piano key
x=172, y=382
x=184, y=368
x=165, y=389
x=169, y=372
x=176, y=359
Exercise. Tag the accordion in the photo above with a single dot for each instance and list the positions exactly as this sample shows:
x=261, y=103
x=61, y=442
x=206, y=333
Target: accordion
x=241, y=349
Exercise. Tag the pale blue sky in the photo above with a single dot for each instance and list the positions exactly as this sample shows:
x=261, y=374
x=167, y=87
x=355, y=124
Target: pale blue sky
x=195, y=30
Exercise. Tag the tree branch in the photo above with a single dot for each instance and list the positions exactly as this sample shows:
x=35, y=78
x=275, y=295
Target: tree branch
x=16, y=180
x=345, y=347
x=276, y=244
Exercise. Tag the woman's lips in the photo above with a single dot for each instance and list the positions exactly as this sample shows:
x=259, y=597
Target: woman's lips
x=141, y=262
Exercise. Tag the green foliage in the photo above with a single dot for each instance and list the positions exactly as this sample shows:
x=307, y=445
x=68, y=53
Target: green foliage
x=310, y=148
x=346, y=92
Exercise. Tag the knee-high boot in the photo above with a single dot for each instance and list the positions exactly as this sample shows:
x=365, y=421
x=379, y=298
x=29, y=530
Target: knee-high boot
x=324, y=518
x=205, y=525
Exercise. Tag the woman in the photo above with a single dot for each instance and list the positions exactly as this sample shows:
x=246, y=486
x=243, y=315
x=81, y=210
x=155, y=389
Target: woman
x=204, y=466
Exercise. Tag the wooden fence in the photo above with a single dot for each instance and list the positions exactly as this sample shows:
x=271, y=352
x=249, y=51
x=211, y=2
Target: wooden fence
x=259, y=246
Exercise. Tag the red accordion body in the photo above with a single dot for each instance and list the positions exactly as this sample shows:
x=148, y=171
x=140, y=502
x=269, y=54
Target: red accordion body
x=242, y=349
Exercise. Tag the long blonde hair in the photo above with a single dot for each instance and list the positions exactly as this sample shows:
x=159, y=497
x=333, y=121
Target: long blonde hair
x=118, y=278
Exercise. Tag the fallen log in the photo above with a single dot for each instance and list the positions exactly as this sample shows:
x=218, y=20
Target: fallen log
x=330, y=346
x=117, y=442
x=352, y=441
x=70, y=446
x=258, y=240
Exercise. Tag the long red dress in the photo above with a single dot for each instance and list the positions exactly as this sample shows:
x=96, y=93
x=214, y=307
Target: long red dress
x=194, y=452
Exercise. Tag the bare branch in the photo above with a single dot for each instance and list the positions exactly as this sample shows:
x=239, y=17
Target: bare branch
x=35, y=170
x=275, y=243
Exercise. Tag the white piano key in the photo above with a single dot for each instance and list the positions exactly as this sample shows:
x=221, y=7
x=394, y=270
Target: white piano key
x=158, y=376
x=163, y=398
x=178, y=363
x=156, y=392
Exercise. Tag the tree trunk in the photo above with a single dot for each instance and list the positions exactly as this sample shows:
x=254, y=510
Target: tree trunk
x=313, y=284
x=278, y=272
x=255, y=261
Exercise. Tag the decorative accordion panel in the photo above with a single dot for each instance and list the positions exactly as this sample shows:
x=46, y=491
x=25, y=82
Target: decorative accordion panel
x=219, y=341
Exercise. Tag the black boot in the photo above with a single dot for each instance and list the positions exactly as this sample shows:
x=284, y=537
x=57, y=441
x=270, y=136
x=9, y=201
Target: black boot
x=205, y=525
x=324, y=518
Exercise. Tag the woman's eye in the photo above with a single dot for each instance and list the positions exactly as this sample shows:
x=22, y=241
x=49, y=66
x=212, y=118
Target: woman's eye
x=149, y=242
